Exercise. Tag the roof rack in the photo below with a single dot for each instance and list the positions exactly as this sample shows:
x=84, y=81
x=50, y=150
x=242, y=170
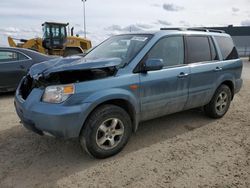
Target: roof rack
x=204, y=29
x=173, y=28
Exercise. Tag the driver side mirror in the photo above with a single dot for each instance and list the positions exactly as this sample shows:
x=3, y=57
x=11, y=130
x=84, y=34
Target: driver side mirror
x=153, y=65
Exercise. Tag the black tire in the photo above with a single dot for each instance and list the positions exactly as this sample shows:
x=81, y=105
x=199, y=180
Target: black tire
x=92, y=130
x=212, y=109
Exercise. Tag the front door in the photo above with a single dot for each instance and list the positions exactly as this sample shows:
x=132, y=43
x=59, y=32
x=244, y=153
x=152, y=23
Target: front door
x=165, y=91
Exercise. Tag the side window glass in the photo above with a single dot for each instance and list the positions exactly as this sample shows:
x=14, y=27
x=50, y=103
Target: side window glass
x=170, y=50
x=227, y=48
x=198, y=49
x=7, y=56
x=214, y=54
x=21, y=57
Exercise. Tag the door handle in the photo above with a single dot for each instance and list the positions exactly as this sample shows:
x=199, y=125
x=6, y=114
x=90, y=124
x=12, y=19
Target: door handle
x=218, y=69
x=182, y=75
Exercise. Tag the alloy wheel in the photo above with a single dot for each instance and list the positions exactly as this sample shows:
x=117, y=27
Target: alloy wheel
x=110, y=133
x=221, y=102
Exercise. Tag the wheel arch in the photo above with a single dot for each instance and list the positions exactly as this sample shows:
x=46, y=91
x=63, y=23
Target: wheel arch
x=122, y=103
x=230, y=84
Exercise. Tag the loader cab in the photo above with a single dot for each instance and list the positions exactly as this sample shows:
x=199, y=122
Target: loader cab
x=54, y=35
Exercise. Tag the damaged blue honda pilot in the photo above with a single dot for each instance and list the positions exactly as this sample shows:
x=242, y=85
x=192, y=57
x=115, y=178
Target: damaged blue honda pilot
x=102, y=97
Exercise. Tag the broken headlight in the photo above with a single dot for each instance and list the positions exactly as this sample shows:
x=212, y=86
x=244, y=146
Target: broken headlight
x=58, y=94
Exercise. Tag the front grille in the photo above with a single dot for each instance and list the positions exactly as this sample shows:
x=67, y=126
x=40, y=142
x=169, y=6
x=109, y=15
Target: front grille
x=26, y=87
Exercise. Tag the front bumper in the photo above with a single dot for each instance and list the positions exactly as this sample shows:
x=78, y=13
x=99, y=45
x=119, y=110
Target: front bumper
x=59, y=120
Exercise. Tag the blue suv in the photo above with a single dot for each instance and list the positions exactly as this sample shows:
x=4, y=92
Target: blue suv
x=102, y=97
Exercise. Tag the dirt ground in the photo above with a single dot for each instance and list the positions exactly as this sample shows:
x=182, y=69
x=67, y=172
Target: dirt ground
x=186, y=149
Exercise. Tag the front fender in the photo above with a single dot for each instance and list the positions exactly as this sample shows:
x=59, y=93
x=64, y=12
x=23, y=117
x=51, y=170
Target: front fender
x=100, y=97
x=112, y=94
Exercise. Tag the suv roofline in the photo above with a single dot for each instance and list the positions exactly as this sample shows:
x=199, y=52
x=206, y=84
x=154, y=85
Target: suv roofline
x=177, y=30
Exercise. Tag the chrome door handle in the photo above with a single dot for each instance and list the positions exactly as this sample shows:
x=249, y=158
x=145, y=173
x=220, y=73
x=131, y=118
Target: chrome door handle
x=218, y=69
x=182, y=75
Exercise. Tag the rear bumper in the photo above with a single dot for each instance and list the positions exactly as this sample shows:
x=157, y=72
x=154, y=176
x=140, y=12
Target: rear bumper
x=56, y=119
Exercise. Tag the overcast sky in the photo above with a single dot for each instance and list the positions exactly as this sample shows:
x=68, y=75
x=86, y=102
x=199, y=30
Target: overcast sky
x=23, y=19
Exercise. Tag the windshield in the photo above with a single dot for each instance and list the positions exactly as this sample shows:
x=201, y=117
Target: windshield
x=124, y=47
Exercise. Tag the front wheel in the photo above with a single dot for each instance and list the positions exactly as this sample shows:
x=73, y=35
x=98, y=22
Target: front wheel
x=106, y=131
x=220, y=102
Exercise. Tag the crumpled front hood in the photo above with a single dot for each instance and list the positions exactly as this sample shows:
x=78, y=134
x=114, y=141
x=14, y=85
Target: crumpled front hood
x=71, y=64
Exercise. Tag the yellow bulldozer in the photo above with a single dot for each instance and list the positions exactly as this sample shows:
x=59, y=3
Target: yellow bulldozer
x=55, y=41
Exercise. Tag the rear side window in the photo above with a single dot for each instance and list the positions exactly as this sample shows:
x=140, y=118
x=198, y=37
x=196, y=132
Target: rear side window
x=227, y=48
x=21, y=56
x=198, y=49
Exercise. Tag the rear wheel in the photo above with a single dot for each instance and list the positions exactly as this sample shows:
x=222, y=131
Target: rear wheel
x=220, y=102
x=106, y=131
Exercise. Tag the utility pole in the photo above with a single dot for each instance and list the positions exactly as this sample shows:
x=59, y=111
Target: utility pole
x=84, y=19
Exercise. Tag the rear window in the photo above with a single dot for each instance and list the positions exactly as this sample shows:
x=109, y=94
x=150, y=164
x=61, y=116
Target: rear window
x=198, y=49
x=227, y=48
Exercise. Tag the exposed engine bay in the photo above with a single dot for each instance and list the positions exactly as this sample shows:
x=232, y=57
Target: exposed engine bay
x=66, y=77
x=43, y=75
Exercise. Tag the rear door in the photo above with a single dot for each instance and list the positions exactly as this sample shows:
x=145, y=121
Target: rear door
x=13, y=66
x=165, y=91
x=204, y=65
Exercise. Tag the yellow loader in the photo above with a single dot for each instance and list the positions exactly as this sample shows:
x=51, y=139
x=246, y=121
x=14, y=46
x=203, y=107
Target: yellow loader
x=55, y=41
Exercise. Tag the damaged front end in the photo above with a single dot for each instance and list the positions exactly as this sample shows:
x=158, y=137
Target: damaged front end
x=67, y=71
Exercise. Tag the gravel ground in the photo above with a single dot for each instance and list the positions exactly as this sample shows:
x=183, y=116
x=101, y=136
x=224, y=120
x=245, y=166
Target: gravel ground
x=186, y=149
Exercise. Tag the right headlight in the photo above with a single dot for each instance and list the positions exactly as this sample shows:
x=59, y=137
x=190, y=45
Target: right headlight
x=58, y=94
